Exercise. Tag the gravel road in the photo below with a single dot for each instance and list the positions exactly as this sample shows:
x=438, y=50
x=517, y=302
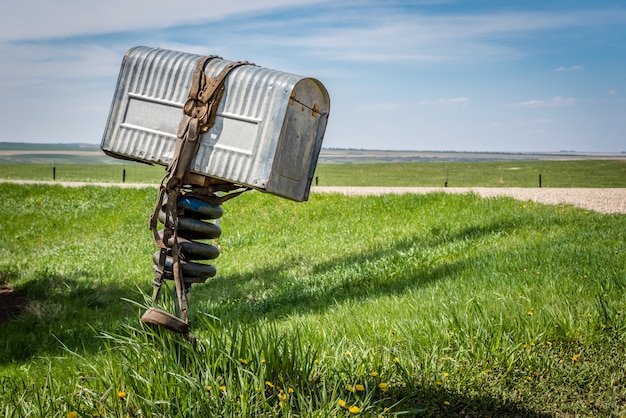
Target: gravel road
x=599, y=200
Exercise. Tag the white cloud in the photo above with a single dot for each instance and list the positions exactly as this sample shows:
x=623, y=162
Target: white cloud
x=76, y=61
x=416, y=37
x=40, y=19
x=347, y=31
x=571, y=68
x=64, y=56
x=557, y=101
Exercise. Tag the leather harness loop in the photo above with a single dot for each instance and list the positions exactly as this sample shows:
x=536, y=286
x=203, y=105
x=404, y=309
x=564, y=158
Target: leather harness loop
x=199, y=114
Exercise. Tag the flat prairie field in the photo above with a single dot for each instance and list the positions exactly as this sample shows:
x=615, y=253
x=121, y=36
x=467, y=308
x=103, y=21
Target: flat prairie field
x=436, y=304
x=547, y=174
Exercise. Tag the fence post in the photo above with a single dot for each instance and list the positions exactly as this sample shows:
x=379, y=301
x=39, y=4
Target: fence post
x=540, y=181
x=124, y=176
x=54, y=173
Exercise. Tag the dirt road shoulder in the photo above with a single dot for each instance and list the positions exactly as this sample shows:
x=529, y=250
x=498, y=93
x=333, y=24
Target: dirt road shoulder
x=599, y=200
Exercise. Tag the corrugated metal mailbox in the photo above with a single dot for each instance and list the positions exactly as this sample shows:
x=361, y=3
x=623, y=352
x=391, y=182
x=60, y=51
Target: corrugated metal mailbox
x=268, y=128
x=219, y=126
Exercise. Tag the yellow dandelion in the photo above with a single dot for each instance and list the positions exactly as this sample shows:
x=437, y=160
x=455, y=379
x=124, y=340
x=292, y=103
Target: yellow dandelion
x=396, y=360
x=575, y=357
x=374, y=374
x=121, y=395
x=549, y=343
x=446, y=374
x=72, y=414
x=529, y=378
x=223, y=388
x=350, y=388
x=359, y=388
x=383, y=386
x=207, y=388
x=282, y=396
x=262, y=361
x=354, y=409
x=290, y=390
x=342, y=403
x=269, y=384
x=446, y=403
x=243, y=361
x=347, y=353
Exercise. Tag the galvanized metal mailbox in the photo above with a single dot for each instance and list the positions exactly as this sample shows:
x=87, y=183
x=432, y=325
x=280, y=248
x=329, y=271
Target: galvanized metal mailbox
x=268, y=129
x=217, y=125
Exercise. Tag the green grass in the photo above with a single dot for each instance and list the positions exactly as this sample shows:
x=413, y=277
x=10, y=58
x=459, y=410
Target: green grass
x=430, y=305
x=579, y=173
x=107, y=173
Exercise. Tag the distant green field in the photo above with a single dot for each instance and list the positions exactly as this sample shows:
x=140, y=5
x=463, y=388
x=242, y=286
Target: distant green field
x=86, y=162
x=339, y=167
x=107, y=173
x=579, y=173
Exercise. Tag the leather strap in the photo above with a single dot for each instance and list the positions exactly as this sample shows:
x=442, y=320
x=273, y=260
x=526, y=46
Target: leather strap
x=199, y=113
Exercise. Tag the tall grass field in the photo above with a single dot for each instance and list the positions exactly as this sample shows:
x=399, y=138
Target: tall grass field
x=398, y=305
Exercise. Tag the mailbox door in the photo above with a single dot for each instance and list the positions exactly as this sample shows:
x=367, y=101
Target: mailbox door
x=300, y=140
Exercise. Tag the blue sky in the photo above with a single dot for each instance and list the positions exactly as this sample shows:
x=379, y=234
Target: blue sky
x=522, y=76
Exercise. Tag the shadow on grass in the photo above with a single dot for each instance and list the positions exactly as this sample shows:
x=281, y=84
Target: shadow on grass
x=65, y=310
x=61, y=311
x=72, y=309
x=362, y=280
x=440, y=402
